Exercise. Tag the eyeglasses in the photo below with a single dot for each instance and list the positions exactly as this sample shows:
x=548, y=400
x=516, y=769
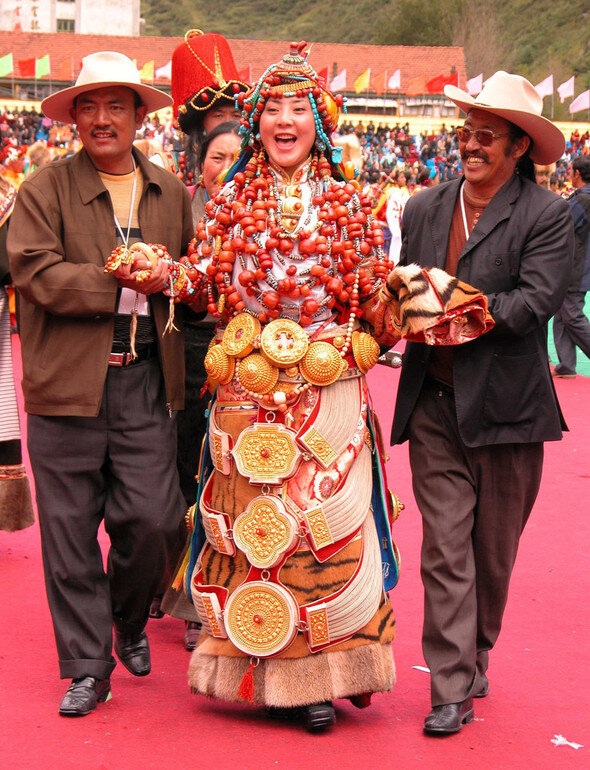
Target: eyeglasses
x=483, y=136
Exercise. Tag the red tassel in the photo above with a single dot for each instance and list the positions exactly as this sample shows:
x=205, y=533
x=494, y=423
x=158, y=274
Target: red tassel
x=246, y=690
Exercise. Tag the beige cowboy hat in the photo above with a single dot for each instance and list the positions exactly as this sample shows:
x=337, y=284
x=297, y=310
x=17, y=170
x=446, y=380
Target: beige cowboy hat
x=513, y=98
x=99, y=70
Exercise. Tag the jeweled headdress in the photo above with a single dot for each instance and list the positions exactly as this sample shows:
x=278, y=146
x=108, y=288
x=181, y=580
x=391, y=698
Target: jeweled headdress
x=293, y=76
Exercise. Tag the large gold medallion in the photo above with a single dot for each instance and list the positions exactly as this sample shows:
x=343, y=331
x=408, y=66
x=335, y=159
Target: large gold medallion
x=256, y=374
x=322, y=364
x=239, y=336
x=365, y=350
x=284, y=342
x=266, y=454
x=265, y=531
x=261, y=618
x=218, y=365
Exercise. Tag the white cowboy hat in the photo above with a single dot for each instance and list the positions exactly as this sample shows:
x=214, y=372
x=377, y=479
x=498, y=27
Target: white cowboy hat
x=99, y=70
x=513, y=98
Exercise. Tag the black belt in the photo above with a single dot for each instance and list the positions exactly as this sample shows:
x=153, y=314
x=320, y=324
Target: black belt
x=125, y=358
x=442, y=388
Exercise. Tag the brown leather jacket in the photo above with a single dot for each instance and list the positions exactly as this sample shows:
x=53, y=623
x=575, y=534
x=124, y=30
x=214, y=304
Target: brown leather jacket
x=60, y=237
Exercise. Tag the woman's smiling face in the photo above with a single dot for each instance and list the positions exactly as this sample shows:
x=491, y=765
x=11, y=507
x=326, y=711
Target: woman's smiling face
x=287, y=131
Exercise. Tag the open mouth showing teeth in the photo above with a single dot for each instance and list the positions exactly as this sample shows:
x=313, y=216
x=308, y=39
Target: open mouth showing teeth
x=285, y=141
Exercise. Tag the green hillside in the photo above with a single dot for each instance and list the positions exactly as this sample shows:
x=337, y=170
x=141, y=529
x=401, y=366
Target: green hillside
x=533, y=38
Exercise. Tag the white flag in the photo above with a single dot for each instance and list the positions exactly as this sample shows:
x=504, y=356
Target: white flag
x=566, y=89
x=165, y=71
x=339, y=82
x=581, y=102
x=395, y=81
x=545, y=87
x=474, y=85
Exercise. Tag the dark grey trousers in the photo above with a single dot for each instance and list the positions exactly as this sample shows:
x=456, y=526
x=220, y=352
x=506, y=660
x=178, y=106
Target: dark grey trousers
x=474, y=503
x=571, y=329
x=119, y=467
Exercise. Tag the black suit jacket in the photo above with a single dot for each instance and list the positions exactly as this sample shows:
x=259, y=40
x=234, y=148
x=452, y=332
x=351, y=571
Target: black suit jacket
x=519, y=254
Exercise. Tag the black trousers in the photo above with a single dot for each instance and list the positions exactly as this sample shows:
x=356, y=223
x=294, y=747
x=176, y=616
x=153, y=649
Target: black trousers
x=474, y=503
x=119, y=467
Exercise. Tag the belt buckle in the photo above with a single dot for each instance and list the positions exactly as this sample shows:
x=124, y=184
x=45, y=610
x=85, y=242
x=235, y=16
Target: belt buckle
x=119, y=359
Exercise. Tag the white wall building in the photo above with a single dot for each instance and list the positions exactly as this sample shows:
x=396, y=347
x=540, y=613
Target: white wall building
x=86, y=17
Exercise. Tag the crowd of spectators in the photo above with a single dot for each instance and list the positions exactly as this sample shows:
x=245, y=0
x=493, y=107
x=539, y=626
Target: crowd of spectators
x=385, y=149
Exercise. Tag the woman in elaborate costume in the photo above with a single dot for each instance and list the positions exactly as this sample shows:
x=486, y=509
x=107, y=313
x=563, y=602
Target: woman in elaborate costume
x=292, y=511
x=291, y=554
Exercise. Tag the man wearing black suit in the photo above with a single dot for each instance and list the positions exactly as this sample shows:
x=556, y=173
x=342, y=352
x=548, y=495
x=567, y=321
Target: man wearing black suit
x=476, y=415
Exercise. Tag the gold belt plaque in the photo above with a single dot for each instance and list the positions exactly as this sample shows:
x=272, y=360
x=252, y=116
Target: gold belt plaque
x=284, y=342
x=365, y=350
x=265, y=531
x=322, y=364
x=218, y=365
x=266, y=453
x=261, y=618
x=240, y=335
x=256, y=374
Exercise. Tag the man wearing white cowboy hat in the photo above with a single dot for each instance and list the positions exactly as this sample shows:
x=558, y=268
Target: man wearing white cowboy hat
x=476, y=415
x=101, y=381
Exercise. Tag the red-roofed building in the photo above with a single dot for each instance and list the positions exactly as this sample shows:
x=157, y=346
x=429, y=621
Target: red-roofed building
x=412, y=61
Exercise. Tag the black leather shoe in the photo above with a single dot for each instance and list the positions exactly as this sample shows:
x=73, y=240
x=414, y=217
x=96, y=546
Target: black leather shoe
x=133, y=650
x=319, y=716
x=449, y=718
x=484, y=687
x=83, y=695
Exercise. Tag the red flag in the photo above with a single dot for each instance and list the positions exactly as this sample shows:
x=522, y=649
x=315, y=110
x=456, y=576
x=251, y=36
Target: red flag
x=27, y=67
x=66, y=70
x=416, y=86
x=323, y=74
x=437, y=84
x=245, y=74
x=378, y=83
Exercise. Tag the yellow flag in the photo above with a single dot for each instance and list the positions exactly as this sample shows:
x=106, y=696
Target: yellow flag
x=147, y=71
x=362, y=82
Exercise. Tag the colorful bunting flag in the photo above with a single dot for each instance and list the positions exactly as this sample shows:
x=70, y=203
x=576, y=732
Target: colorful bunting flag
x=339, y=82
x=66, y=70
x=566, y=89
x=581, y=102
x=165, y=72
x=245, y=74
x=362, y=82
x=545, y=87
x=147, y=71
x=416, y=86
x=437, y=84
x=42, y=68
x=379, y=82
x=6, y=65
x=27, y=67
x=474, y=85
x=395, y=81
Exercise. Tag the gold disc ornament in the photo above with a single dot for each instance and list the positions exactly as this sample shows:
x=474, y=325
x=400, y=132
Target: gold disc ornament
x=239, y=336
x=265, y=531
x=283, y=342
x=218, y=365
x=261, y=618
x=365, y=350
x=322, y=364
x=256, y=374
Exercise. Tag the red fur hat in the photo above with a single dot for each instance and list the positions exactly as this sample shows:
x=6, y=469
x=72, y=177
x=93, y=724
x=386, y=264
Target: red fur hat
x=203, y=71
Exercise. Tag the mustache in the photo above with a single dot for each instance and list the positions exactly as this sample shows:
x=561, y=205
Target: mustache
x=478, y=154
x=103, y=131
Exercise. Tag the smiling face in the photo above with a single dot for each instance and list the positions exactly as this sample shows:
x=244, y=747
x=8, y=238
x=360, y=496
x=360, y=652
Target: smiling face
x=487, y=169
x=107, y=120
x=287, y=131
x=220, y=156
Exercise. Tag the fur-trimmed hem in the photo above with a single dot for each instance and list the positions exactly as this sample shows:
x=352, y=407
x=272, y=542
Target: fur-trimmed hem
x=16, y=507
x=291, y=682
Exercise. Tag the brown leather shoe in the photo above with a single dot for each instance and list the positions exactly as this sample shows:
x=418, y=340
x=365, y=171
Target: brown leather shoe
x=83, y=694
x=133, y=650
x=449, y=718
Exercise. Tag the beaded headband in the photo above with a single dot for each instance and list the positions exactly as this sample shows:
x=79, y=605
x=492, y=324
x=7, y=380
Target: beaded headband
x=292, y=76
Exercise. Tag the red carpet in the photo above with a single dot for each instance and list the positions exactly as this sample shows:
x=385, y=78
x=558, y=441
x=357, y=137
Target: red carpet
x=538, y=674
